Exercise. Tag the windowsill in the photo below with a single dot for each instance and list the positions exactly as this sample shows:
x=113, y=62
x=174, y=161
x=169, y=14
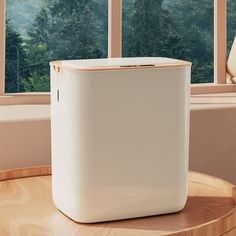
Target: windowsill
x=213, y=101
x=212, y=88
x=30, y=112
x=25, y=98
x=44, y=98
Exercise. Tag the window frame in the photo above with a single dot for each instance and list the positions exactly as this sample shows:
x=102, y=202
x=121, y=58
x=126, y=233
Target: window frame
x=115, y=50
x=2, y=45
x=220, y=54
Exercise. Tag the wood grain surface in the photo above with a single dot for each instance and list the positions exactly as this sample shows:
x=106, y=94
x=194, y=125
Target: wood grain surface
x=231, y=233
x=26, y=208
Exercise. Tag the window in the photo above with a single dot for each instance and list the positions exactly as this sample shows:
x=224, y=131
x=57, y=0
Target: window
x=27, y=63
x=180, y=29
x=231, y=23
x=40, y=31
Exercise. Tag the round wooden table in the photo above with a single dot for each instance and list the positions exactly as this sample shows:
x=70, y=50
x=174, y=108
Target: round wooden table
x=27, y=208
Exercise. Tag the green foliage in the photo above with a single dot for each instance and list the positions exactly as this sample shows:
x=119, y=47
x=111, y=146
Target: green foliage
x=180, y=29
x=231, y=22
x=150, y=28
x=202, y=71
x=15, y=53
x=61, y=30
x=100, y=10
x=74, y=28
x=56, y=29
x=193, y=20
x=22, y=13
x=38, y=33
x=36, y=83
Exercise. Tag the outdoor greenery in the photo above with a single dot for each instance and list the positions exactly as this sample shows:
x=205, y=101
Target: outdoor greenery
x=41, y=31
x=231, y=22
x=60, y=30
x=181, y=29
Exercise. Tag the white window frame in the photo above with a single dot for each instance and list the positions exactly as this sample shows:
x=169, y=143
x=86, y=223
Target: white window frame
x=115, y=50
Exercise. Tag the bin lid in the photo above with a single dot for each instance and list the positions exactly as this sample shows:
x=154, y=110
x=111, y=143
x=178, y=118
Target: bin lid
x=119, y=63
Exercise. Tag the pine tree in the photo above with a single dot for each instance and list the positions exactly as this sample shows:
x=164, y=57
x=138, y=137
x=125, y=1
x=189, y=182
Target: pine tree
x=231, y=23
x=101, y=20
x=61, y=30
x=15, y=54
x=38, y=54
x=39, y=31
x=193, y=19
x=73, y=30
x=152, y=33
x=38, y=51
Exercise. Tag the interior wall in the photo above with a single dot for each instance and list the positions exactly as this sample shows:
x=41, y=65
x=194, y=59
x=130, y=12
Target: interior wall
x=24, y=144
x=25, y=140
x=213, y=142
x=24, y=136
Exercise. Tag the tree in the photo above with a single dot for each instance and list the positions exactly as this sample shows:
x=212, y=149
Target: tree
x=61, y=30
x=36, y=83
x=15, y=55
x=151, y=32
x=73, y=30
x=37, y=59
x=147, y=24
x=193, y=19
x=39, y=30
x=231, y=23
x=100, y=8
x=169, y=28
x=38, y=54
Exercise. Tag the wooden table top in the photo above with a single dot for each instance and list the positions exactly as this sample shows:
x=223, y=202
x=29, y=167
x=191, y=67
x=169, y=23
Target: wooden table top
x=26, y=208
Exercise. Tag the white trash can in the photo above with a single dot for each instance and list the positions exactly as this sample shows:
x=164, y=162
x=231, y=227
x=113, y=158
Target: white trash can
x=120, y=137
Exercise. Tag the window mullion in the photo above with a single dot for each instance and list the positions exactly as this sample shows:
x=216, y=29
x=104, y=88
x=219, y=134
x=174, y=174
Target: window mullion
x=2, y=44
x=220, y=40
x=115, y=28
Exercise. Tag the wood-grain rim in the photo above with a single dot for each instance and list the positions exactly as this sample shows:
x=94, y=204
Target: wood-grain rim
x=221, y=225
x=24, y=173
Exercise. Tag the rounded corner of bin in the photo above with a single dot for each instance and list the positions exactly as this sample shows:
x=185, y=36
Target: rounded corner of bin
x=56, y=65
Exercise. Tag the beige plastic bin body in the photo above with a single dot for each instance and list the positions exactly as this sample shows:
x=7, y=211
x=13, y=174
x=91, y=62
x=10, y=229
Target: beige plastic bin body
x=120, y=137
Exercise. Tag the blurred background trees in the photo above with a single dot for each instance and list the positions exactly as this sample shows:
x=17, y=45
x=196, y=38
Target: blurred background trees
x=15, y=56
x=59, y=30
x=46, y=30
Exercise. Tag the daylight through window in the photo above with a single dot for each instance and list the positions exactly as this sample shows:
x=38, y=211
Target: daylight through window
x=180, y=29
x=39, y=31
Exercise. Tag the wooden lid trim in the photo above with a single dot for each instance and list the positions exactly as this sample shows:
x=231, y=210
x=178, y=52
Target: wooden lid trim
x=59, y=67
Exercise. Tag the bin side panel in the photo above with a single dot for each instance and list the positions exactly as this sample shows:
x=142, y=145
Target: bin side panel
x=120, y=143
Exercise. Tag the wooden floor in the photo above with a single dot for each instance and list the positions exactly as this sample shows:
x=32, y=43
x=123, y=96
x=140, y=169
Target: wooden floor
x=27, y=208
